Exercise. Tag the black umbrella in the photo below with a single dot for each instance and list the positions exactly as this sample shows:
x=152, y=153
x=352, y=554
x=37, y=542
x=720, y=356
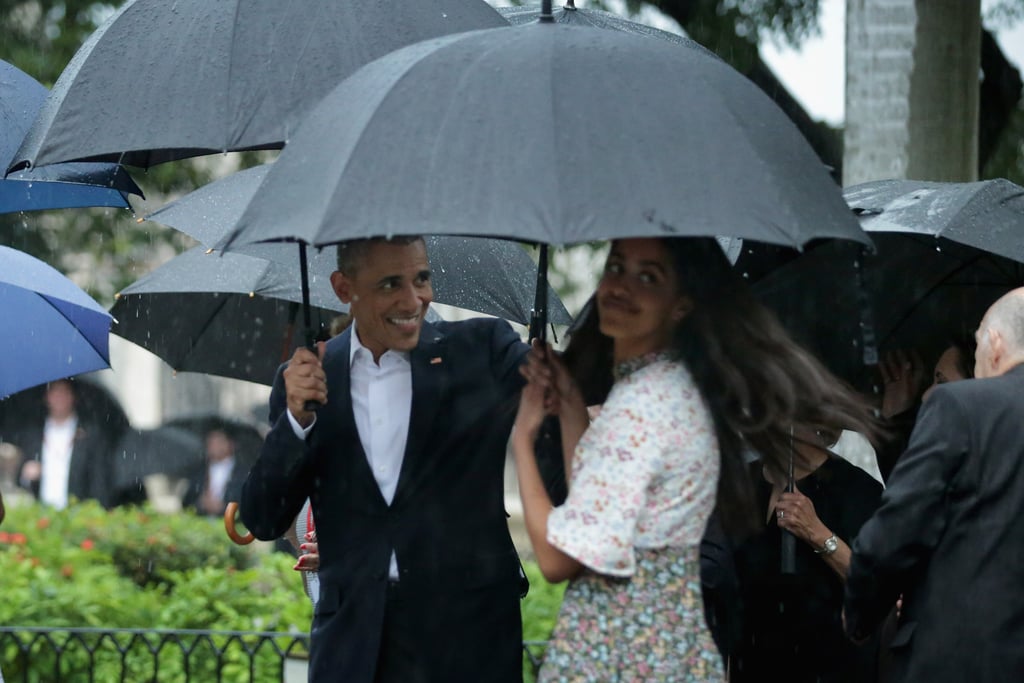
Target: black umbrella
x=218, y=76
x=173, y=451
x=495, y=277
x=550, y=134
x=62, y=186
x=562, y=134
x=944, y=253
x=248, y=439
x=231, y=315
x=94, y=404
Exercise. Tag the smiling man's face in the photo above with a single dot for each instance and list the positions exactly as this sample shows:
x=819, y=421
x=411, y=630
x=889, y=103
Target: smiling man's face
x=388, y=292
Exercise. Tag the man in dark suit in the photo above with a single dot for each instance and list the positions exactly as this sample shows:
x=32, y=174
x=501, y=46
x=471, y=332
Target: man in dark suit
x=949, y=536
x=403, y=462
x=65, y=457
x=220, y=480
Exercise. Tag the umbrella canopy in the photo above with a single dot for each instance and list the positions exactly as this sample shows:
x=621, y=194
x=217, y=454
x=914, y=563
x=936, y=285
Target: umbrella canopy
x=489, y=276
x=560, y=134
x=62, y=186
x=232, y=316
x=171, y=450
x=231, y=75
x=987, y=215
x=944, y=253
x=52, y=329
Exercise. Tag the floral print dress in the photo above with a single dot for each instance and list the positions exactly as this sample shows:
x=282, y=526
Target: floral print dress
x=643, y=483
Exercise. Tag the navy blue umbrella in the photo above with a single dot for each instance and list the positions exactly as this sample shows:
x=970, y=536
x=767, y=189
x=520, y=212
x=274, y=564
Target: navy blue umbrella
x=60, y=186
x=51, y=329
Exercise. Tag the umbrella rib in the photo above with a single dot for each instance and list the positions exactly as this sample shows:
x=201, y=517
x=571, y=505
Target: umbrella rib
x=202, y=330
x=920, y=300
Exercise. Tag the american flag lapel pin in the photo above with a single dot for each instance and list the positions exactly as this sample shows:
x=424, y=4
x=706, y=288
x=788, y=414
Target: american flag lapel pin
x=436, y=360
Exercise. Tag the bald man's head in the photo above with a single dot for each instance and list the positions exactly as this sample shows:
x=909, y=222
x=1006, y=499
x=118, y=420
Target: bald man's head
x=1001, y=336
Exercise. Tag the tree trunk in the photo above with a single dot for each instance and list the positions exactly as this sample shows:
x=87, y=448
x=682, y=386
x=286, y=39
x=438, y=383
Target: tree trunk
x=912, y=90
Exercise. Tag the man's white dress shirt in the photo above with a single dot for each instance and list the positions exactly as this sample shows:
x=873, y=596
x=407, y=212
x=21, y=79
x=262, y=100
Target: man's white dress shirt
x=58, y=442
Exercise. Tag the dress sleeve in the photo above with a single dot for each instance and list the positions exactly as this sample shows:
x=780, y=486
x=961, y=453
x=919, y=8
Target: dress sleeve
x=615, y=464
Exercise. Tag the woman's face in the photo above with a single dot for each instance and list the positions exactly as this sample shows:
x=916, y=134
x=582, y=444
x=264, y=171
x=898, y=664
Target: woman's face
x=638, y=299
x=947, y=369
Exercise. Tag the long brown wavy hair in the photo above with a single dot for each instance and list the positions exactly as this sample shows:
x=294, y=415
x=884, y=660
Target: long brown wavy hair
x=760, y=385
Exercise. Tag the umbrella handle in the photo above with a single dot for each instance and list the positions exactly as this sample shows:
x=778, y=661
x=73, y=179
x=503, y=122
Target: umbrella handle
x=229, y=526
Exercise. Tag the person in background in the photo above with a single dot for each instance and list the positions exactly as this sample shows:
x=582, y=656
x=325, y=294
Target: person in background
x=791, y=620
x=65, y=458
x=220, y=481
x=10, y=462
x=906, y=384
x=947, y=536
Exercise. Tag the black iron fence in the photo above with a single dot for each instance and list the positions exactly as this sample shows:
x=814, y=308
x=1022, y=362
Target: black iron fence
x=98, y=655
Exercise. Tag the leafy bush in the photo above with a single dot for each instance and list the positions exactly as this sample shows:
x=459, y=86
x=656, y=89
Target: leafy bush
x=540, y=610
x=133, y=568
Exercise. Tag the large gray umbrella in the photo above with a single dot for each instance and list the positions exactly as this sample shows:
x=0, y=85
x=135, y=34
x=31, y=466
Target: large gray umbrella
x=167, y=80
x=490, y=276
x=547, y=133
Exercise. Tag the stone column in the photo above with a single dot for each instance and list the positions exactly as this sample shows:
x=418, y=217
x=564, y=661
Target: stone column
x=912, y=84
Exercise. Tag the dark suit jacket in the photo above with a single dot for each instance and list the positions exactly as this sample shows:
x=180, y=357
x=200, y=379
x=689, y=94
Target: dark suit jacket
x=949, y=536
x=232, y=492
x=446, y=524
x=89, y=473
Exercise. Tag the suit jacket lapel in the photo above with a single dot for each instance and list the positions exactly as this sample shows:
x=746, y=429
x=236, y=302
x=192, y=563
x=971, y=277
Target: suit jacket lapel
x=342, y=433
x=429, y=383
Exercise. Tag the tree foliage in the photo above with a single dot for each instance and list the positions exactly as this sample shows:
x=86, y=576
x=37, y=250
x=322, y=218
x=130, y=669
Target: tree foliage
x=102, y=249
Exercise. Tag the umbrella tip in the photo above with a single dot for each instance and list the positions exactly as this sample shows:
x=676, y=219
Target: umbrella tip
x=140, y=219
x=209, y=251
x=252, y=295
x=545, y=13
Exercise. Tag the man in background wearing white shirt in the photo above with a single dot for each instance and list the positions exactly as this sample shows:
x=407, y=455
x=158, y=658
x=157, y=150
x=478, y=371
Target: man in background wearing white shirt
x=66, y=458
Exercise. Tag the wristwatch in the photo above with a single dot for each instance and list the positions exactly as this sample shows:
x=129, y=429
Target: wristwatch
x=830, y=545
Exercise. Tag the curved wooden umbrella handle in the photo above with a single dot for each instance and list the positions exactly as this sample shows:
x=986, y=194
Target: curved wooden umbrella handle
x=229, y=526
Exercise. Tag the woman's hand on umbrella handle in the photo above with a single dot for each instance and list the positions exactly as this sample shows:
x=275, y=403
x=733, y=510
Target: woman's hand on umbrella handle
x=229, y=526
x=795, y=512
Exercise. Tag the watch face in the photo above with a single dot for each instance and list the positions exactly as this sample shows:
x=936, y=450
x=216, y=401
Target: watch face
x=831, y=544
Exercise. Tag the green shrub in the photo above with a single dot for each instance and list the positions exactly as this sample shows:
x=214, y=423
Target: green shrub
x=133, y=568
x=540, y=611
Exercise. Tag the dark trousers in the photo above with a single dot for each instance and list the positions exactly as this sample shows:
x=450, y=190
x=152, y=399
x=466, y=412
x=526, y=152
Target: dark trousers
x=399, y=660
x=416, y=639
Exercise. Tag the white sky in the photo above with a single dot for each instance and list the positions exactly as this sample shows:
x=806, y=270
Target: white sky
x=815, y=74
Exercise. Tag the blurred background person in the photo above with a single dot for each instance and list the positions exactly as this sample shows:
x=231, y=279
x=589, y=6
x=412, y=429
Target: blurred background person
x=791, y=625
x=10, y=462
x=65, y=457
x=220, y=481
x=907, y=383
